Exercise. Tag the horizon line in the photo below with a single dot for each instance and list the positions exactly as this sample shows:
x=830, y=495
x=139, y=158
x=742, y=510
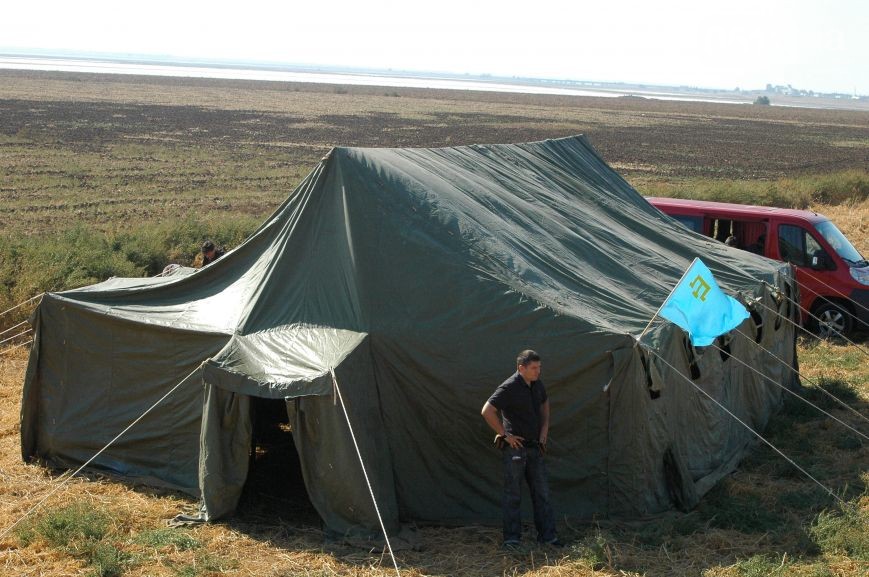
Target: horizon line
x=137, y=58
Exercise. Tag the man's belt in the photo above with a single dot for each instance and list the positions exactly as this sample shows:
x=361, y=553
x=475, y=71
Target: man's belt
x=501, y=443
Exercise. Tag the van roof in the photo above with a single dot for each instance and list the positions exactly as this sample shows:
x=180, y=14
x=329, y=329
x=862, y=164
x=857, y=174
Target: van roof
x=735, y=209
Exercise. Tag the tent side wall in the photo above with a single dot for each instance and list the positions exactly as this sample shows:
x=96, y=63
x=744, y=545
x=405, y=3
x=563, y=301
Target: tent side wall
x=432, y=391
x=637, y=442
x=684, y=442
x=78, y=395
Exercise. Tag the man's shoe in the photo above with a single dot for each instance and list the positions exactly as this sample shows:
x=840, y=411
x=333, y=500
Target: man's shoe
x=510, y=546
x=555, y=543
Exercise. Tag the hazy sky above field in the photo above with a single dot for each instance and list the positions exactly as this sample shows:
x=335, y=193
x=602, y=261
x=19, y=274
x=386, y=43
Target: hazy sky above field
x=809, y=44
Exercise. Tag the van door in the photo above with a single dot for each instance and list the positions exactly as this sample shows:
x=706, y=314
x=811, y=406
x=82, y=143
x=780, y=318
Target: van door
x=799, y=247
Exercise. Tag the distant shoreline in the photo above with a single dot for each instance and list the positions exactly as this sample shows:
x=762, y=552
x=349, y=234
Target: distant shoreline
x=272, y=72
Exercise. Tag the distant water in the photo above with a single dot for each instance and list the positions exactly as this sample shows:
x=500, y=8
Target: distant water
x=239, y=73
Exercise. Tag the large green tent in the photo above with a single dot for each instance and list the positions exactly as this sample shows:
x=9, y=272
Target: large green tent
x=416, y=275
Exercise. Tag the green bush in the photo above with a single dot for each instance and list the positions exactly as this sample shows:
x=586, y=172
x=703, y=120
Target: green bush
x=168, y=537
x=81, y=256
x=742, y=512
x=80, y=531
x=206, y=564
x=654, y=534
x=595, y=550
x=848, y=442
x=800, y=410
x=843, y=532
x=107, y=560
x=73, y=258
x=820, y=570
x=762, y=566
x=800, y=192
x=70, y=528
x=809, y=499
x=153, y=247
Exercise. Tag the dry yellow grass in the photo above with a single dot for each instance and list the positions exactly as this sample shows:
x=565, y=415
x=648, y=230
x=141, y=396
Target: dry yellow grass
x=853, y=220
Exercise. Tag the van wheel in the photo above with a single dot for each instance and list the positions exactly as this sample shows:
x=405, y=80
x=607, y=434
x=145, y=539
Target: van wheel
x=834, y=321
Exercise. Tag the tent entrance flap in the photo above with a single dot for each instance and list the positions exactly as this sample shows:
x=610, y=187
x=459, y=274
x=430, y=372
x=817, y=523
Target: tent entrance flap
x=275, y=486
x=328, y=462
x=282, y=363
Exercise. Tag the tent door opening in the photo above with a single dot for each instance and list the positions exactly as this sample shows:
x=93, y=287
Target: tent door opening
x=275, y=486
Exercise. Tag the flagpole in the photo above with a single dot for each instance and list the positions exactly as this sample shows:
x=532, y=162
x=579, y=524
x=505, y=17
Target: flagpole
x=678, y=282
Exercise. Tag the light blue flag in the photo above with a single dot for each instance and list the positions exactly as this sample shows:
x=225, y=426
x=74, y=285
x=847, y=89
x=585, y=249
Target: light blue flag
x=700, y=307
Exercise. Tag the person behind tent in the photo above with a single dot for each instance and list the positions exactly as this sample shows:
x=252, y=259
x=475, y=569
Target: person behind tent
x=757, y=246
x=518, y=412
x=210, y=252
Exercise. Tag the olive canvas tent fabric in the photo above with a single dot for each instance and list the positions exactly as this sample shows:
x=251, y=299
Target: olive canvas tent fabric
x=415, y=276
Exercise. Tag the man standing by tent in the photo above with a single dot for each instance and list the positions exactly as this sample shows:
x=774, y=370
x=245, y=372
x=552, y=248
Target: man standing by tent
x=518, y=411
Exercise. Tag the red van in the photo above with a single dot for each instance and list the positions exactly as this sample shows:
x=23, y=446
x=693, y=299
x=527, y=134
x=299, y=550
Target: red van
x=833, y=276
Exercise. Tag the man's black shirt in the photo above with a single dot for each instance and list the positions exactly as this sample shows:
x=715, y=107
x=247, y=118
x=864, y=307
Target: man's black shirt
x=520, y=406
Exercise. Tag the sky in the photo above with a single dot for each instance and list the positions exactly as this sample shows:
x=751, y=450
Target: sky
x=809, y=44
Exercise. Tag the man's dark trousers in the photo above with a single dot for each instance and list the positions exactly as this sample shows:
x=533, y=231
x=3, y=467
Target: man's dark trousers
x=526, y=463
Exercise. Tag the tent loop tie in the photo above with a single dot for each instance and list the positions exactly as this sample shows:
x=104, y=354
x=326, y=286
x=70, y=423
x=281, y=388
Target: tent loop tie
x=334, y=388
x=364, y=471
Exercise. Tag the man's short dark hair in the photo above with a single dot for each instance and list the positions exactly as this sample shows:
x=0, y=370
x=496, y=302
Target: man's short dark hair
x=207, y=246
x=527, y=356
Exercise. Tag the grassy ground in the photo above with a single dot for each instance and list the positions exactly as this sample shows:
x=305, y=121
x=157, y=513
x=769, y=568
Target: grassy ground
x=120, y=175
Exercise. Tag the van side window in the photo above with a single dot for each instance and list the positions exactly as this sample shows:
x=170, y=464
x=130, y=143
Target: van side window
x=797, y=246
x=745, y=234
x=694, y=223
x=722, y=229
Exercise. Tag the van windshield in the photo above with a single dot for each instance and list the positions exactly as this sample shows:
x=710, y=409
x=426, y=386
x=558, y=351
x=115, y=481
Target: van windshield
x=840, y=244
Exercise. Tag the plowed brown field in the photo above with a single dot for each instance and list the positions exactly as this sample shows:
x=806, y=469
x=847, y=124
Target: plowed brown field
x=115, y=150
